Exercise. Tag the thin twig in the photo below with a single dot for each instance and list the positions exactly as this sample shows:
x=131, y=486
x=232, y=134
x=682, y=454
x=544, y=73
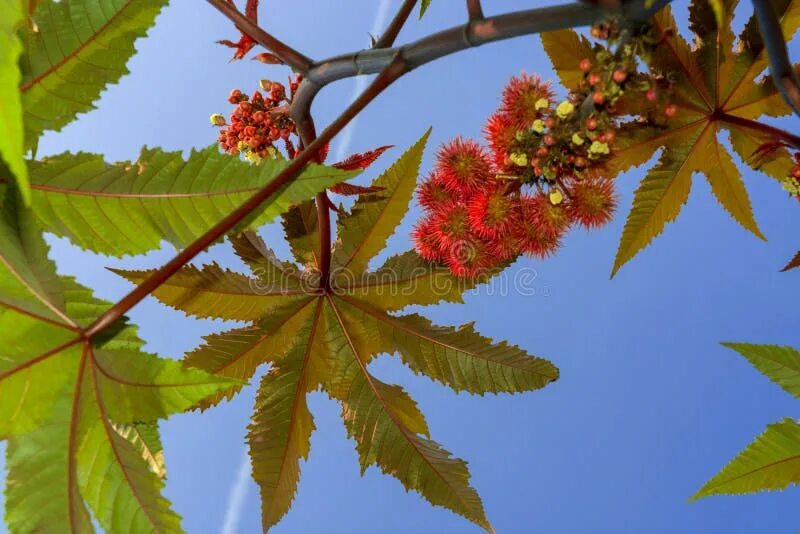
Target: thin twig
x=393, y=30
x=308, y=134
x=285, y=53
x=474, y=10
x=780, y=66
x=393, y=71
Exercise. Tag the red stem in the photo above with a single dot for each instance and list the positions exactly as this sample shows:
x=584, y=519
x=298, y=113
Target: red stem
x=474, y=10
x=393, y=30
x=772, y=131
x=324, y=218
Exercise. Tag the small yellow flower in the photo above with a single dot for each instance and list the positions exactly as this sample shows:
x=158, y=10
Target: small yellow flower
x=597, y=148
x=792, y=186
x=519, y=159
x=577, y=139
x=565, y=109
x=556, y=197
x=542, y=103
x=252, y=157
x=217, y=120
x=538, y=126
x=242, y=146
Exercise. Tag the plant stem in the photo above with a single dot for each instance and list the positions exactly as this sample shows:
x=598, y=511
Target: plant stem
x=285, y=53
x=324, y=221
x=307, y=132
x=780, y=65
x=471, y=35
x=393, y=71
x=393, y=30
x=771, y=131
x=474, y=10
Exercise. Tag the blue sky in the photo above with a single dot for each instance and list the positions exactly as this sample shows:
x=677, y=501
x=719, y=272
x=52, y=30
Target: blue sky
x=649, y=404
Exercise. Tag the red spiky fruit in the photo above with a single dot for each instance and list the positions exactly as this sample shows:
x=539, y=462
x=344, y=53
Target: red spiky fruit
x=450, y=224
x=426, y=241
x=500, y=131
x=432, y=193
x=463, y=165
x=492, y=213
x=469, y=257
x=520, y=97
x=505, y=247
x=592, y=202
x=534, y=240
x=551, y=218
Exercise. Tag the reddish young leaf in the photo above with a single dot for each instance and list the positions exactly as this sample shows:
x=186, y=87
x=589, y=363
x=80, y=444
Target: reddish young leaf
x=322, y=155
x=251, y=9
x=352, y=189
x=245, y=42
x=361, y=161
x=269, y=59
x=795, y=263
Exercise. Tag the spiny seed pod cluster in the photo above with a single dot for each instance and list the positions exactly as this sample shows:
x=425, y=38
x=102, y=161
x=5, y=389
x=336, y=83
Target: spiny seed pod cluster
x=539, y=140
x=478, y=219
x=258, y=122
x=544, y=170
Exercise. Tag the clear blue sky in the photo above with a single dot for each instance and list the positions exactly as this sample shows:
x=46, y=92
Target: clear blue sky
x=649, y=405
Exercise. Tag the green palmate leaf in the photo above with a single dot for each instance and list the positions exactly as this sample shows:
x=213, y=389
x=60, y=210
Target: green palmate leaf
x=719, y=11
x=279, y=435
x=271, y=272
x=302, y=232
x=28, y=281
x=216, y=293
x=147, y=440
x=326, y=339
x=458, y=357
x=714, y=90
x=11, y=126
x=393, y=286
x=363, y=233
x=665, y=189
x=130, y=207
x=771, y=462
x=423, y=7
x=41, y=487
x=657, y=201
x=74, y=50
x=377, y=414
x=566, y=49
x=780, y=364
x=746, y=95
x=67, y=405
x=793, y=264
